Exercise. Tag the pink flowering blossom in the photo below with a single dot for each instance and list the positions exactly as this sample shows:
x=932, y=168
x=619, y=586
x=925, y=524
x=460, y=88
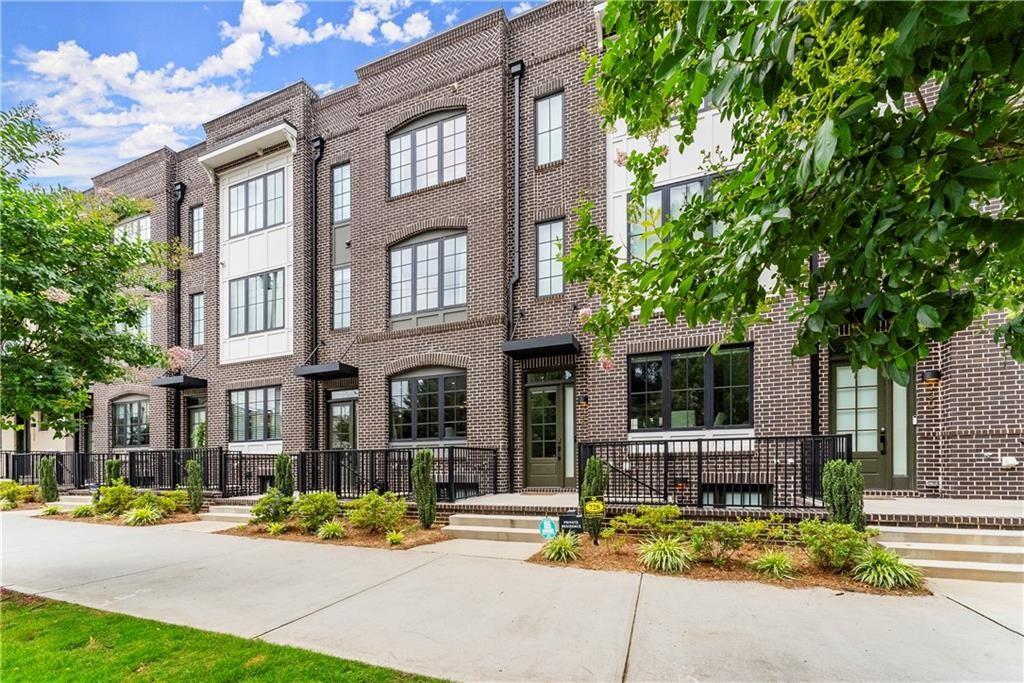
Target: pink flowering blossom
x=620, y=157
x=178, y=358
x=606, y=364
x=56, y=295
x=584, y=315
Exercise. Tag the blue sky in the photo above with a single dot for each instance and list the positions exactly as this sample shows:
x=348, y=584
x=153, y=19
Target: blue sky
x=120, y=79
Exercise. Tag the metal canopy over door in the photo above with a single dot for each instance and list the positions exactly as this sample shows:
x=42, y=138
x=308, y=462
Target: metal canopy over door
x=550, y=447
x=877, y=414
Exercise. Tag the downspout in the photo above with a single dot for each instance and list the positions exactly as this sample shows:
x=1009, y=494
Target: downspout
x=317, y=144
x=815, y=370
x=179, y=198
x=515, y=69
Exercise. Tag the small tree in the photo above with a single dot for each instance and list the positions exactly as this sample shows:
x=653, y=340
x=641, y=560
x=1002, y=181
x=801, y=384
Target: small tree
x=112, y=470
x=194, y=484
x=595, y=481
x=48, y=479
x=283, y=474
x=199, y=435
x=423, y=487
x=842, y=487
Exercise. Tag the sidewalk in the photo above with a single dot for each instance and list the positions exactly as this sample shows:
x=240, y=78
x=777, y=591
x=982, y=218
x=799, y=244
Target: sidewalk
x=477, y=618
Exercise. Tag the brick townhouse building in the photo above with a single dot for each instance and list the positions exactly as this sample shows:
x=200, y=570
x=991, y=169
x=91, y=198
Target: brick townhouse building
x=378, y=267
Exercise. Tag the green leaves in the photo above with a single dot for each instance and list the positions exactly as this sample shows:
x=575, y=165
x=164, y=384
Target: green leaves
x=824, y=146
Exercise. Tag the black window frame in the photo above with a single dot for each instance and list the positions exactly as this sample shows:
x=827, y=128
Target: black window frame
x=537, y=131
x=267, y=414
x=245, y=199
x=537, y=276
x=411, y=131
x=666, y=204
x=414, y=311
x=665, y=358
x=193, y=243
x=334, y=298
x=266, y=302
x=414, y=394
x=143, y=426
x=201, y=328
x=334, y=206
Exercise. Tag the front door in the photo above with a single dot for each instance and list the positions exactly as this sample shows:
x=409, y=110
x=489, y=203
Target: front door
x=877, y=414
x=544, y=436
x=341, y=425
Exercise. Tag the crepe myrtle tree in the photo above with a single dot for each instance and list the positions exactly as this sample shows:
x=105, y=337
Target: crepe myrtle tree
x=72, y=294
x=914, y=204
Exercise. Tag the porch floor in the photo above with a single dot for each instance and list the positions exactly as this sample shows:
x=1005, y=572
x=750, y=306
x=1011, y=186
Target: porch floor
x=554, y=501
x=945, y=507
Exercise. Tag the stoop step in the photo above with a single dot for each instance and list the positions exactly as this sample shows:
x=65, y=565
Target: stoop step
x=513, y=528
x=974, y=571
x=910, y=534
x=235, y=517
x=71, y=502
x=974, y=554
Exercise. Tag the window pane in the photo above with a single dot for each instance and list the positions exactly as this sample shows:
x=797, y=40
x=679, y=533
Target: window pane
x=455, y=148
x=426, y=275
x=455, y=271
x=426, y=156
x=275, y=299
x=255, y=299
x=687, y=408
x=198, y=319
x=401, y=281
x=455, y=406
x=401, y=409
x=254, y=198
x=401, y=164
x=236, y=307
x=236, y=210
x=198, y=230
x=732, y=387
x=681, y=195
x=254, y=409
x=274, y=411
x=275, y=198
x=428, y=401
x=549, y=129
x=342, y=193
x=640, y=238
x=236, y=416
x=645, y=402
x=549, y=264
x=342, y=297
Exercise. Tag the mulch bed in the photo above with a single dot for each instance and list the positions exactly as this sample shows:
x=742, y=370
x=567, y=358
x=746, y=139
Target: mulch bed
x=176, y=518
x=414, y=536
x=807, y=575
x=25, y=506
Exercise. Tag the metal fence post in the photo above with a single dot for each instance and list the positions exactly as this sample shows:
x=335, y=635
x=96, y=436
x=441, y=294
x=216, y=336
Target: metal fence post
x=494, y=469
x=302, y=472
x=700, y=473
x=222, y=474
x=451, y=474
x=131, y=468
x=664, y=474
x=387, y=470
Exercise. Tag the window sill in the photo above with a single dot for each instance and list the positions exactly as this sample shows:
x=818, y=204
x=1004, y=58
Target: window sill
x=421, y=190
x=686, y=434
x=549, y=166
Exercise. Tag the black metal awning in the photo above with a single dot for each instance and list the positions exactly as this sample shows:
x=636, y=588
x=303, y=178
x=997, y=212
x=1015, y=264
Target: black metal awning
x=541, y=347
x=179, y=382
x=324, y=371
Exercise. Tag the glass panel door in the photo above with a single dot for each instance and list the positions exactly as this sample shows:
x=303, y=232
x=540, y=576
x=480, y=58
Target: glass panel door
x=543, y=436
x=197, y=427
x=860, y=408
x=341, y=426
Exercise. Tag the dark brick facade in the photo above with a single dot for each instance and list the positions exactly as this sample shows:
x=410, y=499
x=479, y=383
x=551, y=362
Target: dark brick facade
x=975, y=412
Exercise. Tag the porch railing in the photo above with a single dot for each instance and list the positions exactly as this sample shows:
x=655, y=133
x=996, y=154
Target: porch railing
x=760, y=471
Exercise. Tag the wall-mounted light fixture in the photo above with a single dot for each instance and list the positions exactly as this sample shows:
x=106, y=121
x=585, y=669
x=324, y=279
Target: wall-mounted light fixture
x=583, y=401
x=930, y=378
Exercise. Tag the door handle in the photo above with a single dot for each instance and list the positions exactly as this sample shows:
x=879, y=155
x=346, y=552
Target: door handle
x=881, y=440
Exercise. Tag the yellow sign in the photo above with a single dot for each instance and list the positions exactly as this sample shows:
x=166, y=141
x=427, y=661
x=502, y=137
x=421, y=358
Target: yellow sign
x=593, y=507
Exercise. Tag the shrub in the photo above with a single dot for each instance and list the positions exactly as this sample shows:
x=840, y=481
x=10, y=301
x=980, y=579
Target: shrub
x=842, y=486
x=178, y=497
x=276, y=528
x=313, y=509
x=423, y=487
x=50, y=510
x=48, y=479
x=664, y=554
x=83, y=511
x=882, y=568
x=283, y=474
x=7, y=504
x=150, y=499
x=778, y=531
x=18, y=493
x=564, y=547
x=616, y=541
x=595, y=481
x=272, y=506
x=659, y=520
x=331, y=529
x=831, y=545
x=716, y=541
x=194, y=485
x=774, y=564
x=754, y=531
x=112, y=470
x=105, y=515
x=115, y=498
x=377, y=512
x=141, y=516
x=395, y=538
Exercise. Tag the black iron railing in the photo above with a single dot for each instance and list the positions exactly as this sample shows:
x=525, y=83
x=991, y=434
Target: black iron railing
x=765, y=472
x=24, y=467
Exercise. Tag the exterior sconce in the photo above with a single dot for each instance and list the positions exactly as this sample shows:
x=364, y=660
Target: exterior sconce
x=930, y=378
x=583, y=401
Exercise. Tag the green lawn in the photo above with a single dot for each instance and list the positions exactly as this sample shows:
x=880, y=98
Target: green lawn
x=43, y=640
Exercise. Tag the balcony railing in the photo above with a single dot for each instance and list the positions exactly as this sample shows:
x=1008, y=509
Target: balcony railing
x=760, y=471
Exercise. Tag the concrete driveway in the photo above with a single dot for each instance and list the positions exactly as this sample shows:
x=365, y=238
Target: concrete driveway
x=478, y=618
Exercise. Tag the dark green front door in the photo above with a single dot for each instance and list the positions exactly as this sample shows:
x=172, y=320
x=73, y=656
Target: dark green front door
x=544, y=436
x=341, y=431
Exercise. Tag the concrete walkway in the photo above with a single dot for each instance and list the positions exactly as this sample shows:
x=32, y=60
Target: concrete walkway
x=482, y=618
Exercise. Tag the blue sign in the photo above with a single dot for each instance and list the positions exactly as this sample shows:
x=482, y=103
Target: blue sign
x=548, y=528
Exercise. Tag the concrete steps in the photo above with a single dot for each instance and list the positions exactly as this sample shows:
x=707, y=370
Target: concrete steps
x=974, y=554
x=237, y=514
x=70, y=502
x=513, y=528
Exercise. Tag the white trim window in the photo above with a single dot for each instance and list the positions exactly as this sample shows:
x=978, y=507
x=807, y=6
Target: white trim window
x=428, y=152
x=428, y=275
x=342, y=297
x=256, y=303
x=198, y=319
x=341, y=195
x=665, y=201
x=138, y=228
x=256, y=204
x=549, y=258
x=549, y=129
x=198, y=230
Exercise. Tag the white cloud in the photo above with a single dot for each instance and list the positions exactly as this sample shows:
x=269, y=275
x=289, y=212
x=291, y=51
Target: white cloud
x=520, y=8
x=149, y=138
x=416, y=26
x=451, y=17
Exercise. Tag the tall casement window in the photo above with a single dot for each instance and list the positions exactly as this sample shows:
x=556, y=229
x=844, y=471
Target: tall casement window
x=131, y=423
x=254, y=414
x=549, y=129
x=691, y=389
x=198, y=319
x=429, y=151
x=198, y=230
x=341, y=193
x=134, y=228
x=256, y=303
x=428, y=275
x=431, y=408
x=342, y=297
x=669, y=200
x=256, y=204
x=549, y=261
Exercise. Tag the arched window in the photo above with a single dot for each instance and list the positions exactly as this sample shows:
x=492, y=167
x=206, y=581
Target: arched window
x=130, y=422
x=428, y=151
